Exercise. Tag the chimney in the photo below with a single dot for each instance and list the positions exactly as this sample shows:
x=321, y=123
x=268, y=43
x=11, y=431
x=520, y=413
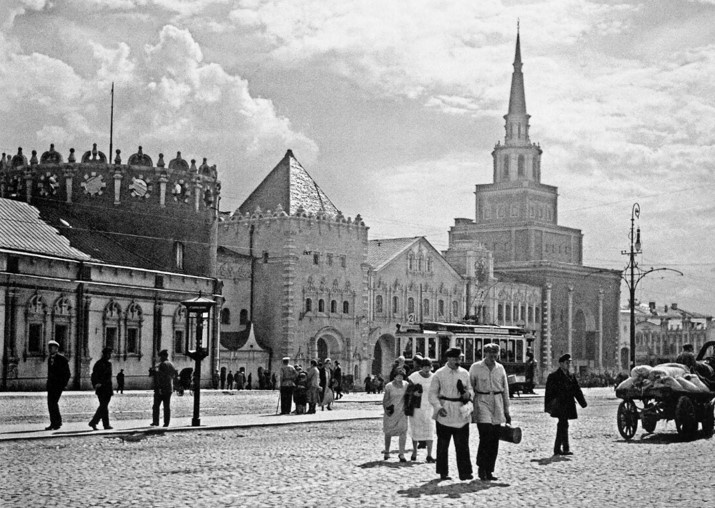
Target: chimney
x=674, y=306
x=651, y=306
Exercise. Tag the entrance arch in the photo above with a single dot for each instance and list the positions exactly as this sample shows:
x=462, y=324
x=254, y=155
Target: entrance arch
x=327, y=343
x=384, y=355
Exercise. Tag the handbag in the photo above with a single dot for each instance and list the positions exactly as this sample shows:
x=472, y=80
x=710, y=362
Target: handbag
x=510, y=434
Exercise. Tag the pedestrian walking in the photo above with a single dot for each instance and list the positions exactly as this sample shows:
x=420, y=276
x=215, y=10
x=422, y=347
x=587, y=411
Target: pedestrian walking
x=240, y=378
x=326, y=392
x=58, y=375
x=420, y=423
x=562, y=390
x=398, y=365
x=249, y=382
x=449, y=393
x=164, y=374
x=222, y=377
x=120, y=381
x=338, y=381
x=102, y=382
x=491, y=408
x=313, y=386
x=300, y=393
x=394, y=421
x=229, y=380
x=287, y=382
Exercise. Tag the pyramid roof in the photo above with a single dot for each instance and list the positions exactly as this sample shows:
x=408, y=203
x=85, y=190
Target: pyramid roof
x=290, y=186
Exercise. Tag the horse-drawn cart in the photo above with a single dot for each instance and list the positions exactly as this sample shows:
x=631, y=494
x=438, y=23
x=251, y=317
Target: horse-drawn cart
x=687, y=408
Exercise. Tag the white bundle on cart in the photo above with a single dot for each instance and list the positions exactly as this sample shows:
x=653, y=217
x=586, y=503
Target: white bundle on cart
x=672, y=375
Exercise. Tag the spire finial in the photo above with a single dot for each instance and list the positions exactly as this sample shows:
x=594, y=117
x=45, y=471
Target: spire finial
x=517, y=26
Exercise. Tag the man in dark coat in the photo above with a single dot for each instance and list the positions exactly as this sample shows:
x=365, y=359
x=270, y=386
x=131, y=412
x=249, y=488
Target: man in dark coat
x=562, y=392
x=102, y=383
x=120, y=381
x=164, y=374
x=58, y=374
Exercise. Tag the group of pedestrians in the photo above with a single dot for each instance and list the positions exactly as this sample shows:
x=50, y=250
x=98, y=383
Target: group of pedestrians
x=320, y=385
x=231, y=381
x=447, y=401
x=58, y=375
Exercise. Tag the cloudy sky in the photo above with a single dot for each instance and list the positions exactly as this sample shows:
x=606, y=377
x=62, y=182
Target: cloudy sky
x=394, y=106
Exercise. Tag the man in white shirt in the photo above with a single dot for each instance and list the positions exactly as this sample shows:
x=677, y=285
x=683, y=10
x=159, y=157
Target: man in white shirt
x=449, y=391
x=491, y=407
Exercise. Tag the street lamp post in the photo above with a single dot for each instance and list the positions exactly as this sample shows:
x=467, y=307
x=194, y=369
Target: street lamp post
x=199, y=307
x=635, y=275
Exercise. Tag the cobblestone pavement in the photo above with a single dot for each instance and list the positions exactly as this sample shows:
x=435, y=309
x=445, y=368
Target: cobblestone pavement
x=340, y=464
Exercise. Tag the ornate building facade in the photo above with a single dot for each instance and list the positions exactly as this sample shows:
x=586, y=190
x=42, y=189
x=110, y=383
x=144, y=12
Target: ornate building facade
x=516, y=219
x=99, y=254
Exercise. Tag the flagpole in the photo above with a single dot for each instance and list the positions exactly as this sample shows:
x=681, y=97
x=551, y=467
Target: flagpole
x=111, y=125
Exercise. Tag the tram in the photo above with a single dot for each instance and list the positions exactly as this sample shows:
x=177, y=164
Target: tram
x=432, y=339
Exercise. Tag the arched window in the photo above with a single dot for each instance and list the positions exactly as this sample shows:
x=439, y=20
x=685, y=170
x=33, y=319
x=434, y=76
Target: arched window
x=507, y=313
x=308, y=305
x=321, y=305
x=62, y=317
x=243, y=317
x=520, y=165
x=419, y=263
x=36, y=315
x=179, y=255
x=440, y=308
x=506, y=167
x=395, y=305
x=410, y=305
x=111, y=321
x=455, y=309
x=133, y=326
x=346, y=307
x=425, y=307
x=378, y=304
x=535, y=168
x=225, y=317
x=429, y=264
x=179, y=329
x=410, y=261
x=333, y=306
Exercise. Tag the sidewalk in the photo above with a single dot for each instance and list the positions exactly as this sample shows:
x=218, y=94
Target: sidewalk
x=133, y=429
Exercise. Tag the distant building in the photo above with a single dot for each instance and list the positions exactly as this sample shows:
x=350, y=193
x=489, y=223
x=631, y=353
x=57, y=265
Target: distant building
x=517, y=221
x=661, y=333
x=97, y=254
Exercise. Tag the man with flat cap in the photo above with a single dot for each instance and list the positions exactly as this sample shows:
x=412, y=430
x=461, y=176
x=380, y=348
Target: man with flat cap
x=58, y=374
x=449, y=391
x=562, y=390
x=288, y=375
x=102, y=383
x=164, y=374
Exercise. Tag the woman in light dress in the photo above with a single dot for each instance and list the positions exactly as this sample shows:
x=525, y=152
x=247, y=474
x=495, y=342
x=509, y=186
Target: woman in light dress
x=394, y=422
x=421, y=424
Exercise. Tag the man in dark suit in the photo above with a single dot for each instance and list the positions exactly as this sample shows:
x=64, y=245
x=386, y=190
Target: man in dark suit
x=102, y=383
x=562, y=392
x=58, y=374
x=164, y=374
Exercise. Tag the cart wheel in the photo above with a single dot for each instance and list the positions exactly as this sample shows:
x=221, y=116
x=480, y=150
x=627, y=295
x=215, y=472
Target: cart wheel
x=709, y=420
x=685, y=420
x=627, y=419
x=649, y=420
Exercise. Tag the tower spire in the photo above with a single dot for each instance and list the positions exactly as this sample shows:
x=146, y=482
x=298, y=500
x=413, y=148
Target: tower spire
x=517, y=101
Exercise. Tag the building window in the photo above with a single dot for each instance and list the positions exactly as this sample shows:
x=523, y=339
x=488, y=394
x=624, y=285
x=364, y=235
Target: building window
x=243, y=317
x=343, y=261
x=112, y=316
x=455, y=309
x=132, y=340
x=537, y=315
x=507, y=313
x=61, y=337
x=134, y=319
x=178, y=341
x=308, y=305
x=500, y=312
x=440, y=308
x=34, y=338
x=410, y=261
x=321, y=305
x=316, y=258
x=225, y=317
x=425, y=307
x=330, y=259
x=410, y=305
x=429, y=264
x=535, y=168
x=520, y=165
x=378, y=304
x=419, y=263
x=333, y=306
x=346, y=307
x=110, y=337
x=395, y=305
x=506, y=167
x=179, y=255
x=531, y=314
x=179, y=329
x=62, y=316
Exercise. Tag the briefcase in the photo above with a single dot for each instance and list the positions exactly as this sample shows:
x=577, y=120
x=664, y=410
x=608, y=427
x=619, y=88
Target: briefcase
x=510, y=434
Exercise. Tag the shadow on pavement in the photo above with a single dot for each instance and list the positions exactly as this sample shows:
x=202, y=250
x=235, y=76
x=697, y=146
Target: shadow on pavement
x=551, y=460
x=384, y=463
x=451, y=490
x=664, y=439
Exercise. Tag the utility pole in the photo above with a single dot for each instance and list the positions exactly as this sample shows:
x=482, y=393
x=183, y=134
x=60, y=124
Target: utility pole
x=632, y=275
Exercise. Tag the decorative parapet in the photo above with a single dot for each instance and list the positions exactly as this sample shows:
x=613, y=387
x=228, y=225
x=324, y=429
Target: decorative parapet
x=51, y=178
